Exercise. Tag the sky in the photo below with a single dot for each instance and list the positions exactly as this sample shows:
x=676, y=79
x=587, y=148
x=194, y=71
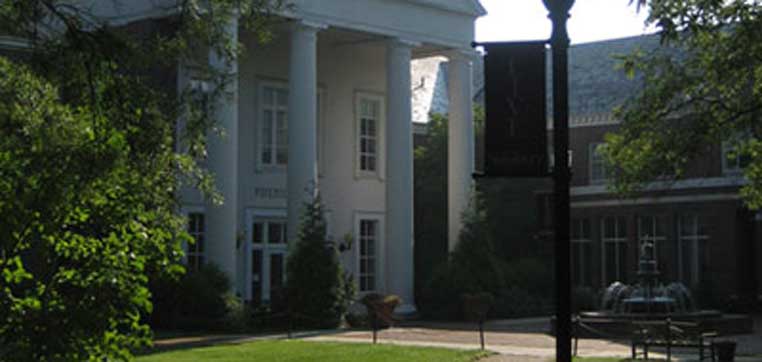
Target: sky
x=591, y=20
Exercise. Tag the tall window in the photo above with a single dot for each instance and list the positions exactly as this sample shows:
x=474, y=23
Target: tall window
x=581, y=252
x=197, y=229
x=614, y=240
x=368, y=254
x=274, y=126
x=691, y=248
x=597, y=163
x=369, y=123
x=651, y=230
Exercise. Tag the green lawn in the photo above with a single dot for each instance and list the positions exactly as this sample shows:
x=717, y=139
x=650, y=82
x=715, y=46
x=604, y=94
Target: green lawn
x=297, y=351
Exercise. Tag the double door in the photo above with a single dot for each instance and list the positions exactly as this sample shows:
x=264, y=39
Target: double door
x=267, y=249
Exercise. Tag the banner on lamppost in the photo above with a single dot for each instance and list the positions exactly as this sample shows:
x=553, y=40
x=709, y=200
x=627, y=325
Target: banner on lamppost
x=515, y=129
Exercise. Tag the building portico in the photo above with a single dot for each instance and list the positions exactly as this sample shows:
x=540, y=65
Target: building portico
x=326, y=106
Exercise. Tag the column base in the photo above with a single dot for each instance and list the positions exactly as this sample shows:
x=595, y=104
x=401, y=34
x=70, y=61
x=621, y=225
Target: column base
x=406, y=312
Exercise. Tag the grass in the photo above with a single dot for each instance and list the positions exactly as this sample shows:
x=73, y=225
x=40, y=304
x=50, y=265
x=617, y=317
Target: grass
x=297, y=351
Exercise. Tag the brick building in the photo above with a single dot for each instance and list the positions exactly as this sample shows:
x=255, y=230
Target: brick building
x=704, y=235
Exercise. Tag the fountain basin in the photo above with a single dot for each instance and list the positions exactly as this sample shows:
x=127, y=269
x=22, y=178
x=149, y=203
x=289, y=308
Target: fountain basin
x=606, y=324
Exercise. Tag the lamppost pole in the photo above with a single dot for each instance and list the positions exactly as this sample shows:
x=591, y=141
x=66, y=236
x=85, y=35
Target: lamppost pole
x=559, y=40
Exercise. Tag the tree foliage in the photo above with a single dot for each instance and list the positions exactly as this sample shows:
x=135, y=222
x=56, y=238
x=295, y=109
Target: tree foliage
x=704, y=91
x=473, y=267
x=89, y=168
x=318, y=290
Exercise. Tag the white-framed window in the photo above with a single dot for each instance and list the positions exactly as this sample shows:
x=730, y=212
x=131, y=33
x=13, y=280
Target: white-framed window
x=273, y=125
x=195, y=254
x=692, y=239
x=651, y=230
x=368, y=243
x=614, y=249
x=598, y=172
x=369, y=127
x=581, y=252
x=369, y=250
x=199, y=99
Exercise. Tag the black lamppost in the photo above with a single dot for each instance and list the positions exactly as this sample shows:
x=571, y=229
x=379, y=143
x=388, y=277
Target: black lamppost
x=559, y=40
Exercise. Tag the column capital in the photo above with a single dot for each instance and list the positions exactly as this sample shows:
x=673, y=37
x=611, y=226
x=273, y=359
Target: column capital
x=307, y=26
x=468, y=55
x=402, y=43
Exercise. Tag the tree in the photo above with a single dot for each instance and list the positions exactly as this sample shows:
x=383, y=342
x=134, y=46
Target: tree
x=473, y=267
x=88, y=169
x=316, y=291
x=704, y=88
x=502, y=200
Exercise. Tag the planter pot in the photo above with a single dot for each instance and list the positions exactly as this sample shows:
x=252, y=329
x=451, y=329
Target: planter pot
x=726, y=350
x=380, y=309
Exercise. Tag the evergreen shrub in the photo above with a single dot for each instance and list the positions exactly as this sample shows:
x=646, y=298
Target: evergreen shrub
x=472, y=268
x=317, y=292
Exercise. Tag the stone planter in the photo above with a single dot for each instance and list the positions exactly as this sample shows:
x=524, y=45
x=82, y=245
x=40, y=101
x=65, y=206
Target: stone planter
x=380, y=309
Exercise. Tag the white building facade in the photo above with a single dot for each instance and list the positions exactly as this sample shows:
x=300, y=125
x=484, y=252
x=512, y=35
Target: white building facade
x=326, y=105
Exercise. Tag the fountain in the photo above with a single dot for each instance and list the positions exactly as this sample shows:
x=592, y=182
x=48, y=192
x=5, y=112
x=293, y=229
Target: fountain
x=649, y=299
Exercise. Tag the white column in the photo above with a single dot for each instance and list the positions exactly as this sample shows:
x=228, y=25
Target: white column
x=460, y=146
x=222, y=220
x=302, y=121
x=399, y=175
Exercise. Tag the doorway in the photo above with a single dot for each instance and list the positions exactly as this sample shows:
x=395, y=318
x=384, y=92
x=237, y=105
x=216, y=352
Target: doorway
x=266, y=243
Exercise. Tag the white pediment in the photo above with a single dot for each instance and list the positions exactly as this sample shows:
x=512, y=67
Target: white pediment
x=469, y=7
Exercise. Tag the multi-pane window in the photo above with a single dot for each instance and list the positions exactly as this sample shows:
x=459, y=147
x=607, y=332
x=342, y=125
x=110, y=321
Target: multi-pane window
x=268, y=240
x=614, y=255
x=368, y=254
x=270, y=232
x=598, y=171
x=195, y=252
x=691, y=248
x=651, y=230
x=369, y=111
x=274, y=126
x=581, y=252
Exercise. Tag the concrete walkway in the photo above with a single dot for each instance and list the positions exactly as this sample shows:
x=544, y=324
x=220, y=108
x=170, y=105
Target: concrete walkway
x=522, y=340
x=518, y=340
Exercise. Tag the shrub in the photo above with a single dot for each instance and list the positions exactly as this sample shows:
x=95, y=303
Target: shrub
x=198, y=300
x=584, y=298
x=533, y=275
x=517, y=302
x=472, y=268
x=316, y=288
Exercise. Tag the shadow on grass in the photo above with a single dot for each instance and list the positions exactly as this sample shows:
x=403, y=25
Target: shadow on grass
x=167, y=341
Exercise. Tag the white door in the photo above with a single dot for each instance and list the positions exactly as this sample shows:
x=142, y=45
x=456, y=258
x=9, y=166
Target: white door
x=266, y=241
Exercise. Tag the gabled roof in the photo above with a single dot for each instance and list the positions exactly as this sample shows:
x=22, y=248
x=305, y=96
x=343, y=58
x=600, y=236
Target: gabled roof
x=468, y=7
x=596, y=85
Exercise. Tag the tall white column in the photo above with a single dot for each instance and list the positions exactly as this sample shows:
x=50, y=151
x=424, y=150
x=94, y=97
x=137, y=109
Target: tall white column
x=302, y=121
x=222, y=220
x=399, y=175
x=460, y=146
